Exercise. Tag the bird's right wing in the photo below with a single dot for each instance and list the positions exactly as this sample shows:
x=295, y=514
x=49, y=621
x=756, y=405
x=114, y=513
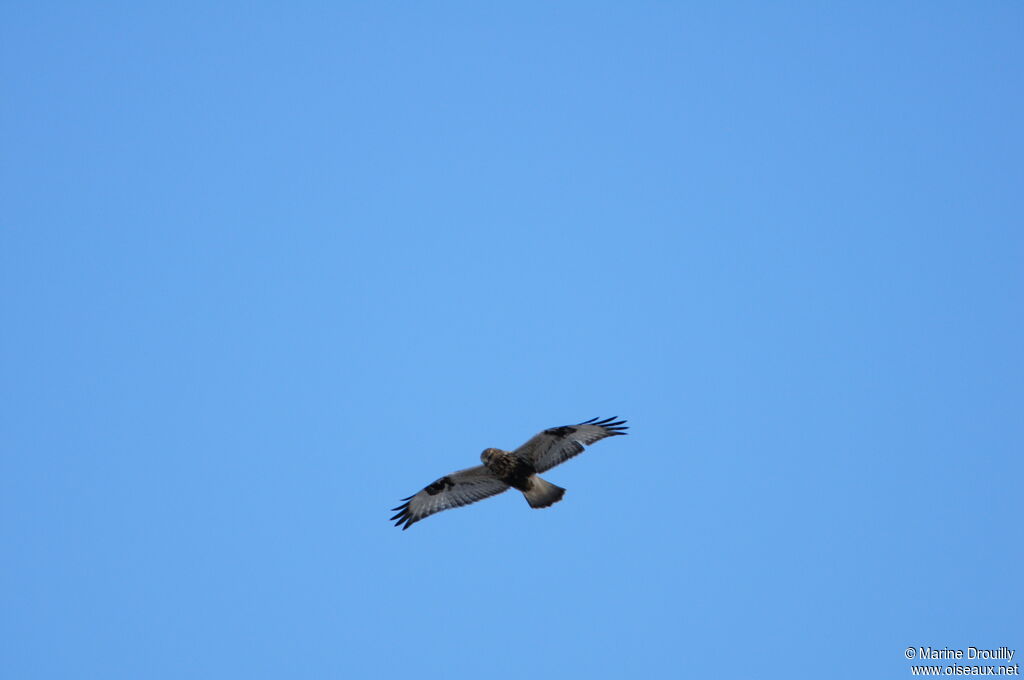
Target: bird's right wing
x=451, y=491
x=558, y=444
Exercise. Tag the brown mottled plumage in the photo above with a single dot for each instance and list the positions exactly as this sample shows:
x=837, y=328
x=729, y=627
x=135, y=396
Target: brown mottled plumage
x=503, y=469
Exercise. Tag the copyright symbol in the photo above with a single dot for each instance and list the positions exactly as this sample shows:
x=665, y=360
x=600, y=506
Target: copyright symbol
x=909, y=652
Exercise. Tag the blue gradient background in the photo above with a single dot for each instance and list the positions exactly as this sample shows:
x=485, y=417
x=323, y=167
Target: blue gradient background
x=268, y=269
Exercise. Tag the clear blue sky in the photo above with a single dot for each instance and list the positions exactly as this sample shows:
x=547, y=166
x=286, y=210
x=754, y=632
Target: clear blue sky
x=268, y=269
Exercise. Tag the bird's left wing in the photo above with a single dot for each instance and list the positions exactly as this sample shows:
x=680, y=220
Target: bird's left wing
x=558, y=444
x=451, y=491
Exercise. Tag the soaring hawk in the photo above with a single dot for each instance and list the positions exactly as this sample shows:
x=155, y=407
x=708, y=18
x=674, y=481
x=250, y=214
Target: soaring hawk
x=503, y=469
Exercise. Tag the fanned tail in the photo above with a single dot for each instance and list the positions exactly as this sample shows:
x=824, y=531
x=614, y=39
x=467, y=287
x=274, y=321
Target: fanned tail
x=543, y=493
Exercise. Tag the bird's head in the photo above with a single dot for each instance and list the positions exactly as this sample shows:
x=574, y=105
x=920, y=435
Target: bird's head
x=488, y=455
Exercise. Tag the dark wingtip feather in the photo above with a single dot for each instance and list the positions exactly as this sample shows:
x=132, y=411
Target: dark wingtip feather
x=403, y=513
x=611, y=424
x=405, y=522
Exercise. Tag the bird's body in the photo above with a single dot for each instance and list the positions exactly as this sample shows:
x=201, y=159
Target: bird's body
x=520, y=474
x=502, y=470
x=509, y=468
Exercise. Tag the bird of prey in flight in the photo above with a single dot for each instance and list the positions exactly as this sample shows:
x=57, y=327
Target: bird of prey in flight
x=503, y=469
